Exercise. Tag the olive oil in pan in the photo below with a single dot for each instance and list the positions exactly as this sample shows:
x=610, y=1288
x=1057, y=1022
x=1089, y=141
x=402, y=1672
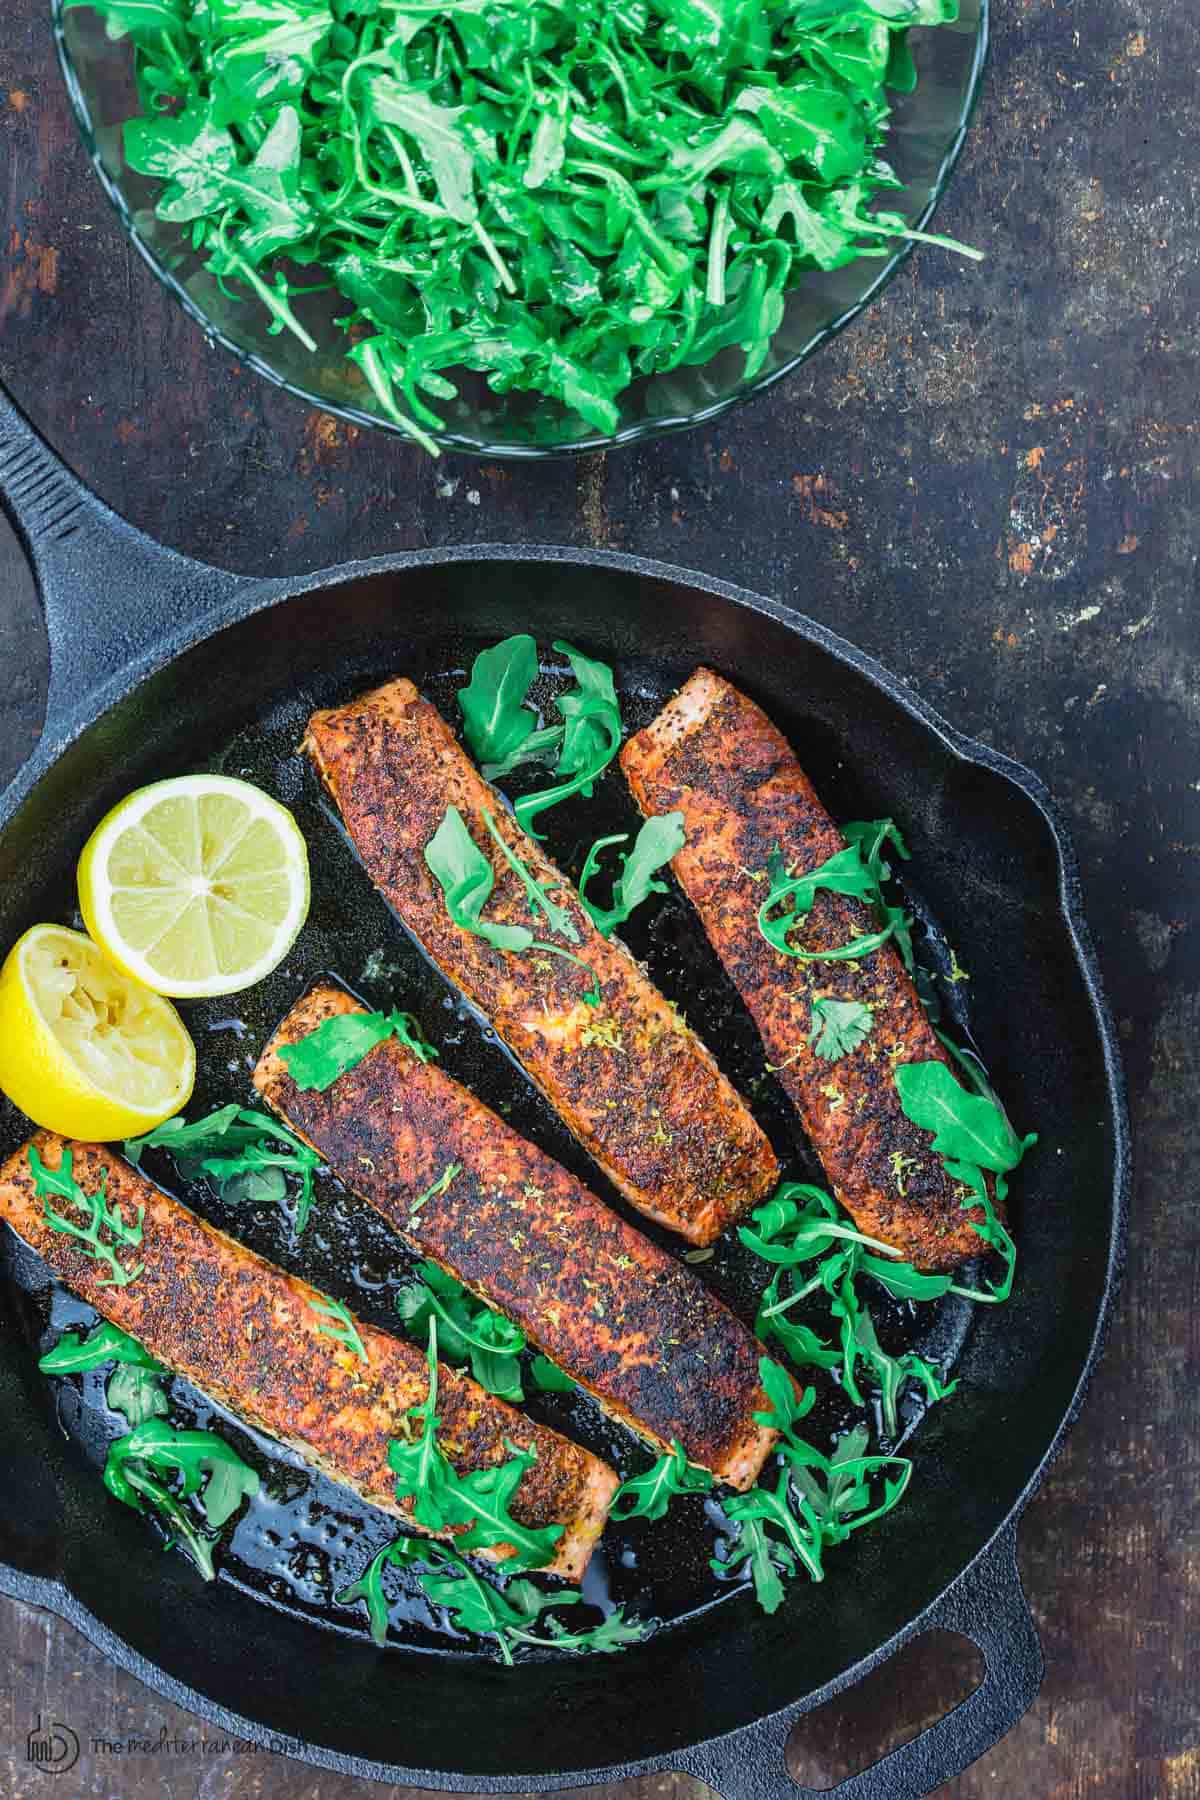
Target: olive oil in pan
x=303, y=1539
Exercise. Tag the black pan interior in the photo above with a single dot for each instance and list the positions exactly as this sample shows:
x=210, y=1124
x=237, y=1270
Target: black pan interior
x=984, y=879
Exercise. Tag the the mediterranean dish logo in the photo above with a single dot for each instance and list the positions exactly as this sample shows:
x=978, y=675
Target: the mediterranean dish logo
x=53, y=1747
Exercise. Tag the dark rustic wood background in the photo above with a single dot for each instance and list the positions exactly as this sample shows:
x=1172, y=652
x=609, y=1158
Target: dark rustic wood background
x=990, y=483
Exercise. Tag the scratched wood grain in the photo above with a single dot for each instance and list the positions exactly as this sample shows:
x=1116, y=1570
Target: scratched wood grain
x=992, y=484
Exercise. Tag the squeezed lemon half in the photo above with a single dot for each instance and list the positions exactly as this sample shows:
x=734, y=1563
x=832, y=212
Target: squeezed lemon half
x=196, y=886
x=85, y=1050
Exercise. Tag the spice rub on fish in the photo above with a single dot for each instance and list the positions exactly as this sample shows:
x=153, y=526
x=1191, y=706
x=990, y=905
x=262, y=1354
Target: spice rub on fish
x=634, y=1084
x=246, y=1334
x=626, y=1320
x=715, y=756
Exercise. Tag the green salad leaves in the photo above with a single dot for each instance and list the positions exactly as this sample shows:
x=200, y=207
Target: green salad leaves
x=135, y=1387
x=502, y=732
x=340, y=1043
x=817, y=1500
x=648, y=1496
x=468, y=1331
x=466, y=878
x=479, y=1502
x=140, y=1467
x=472, y=1604
x=245, y=1152
x=98, y=1225
x=858, y=872
x=561, y=198
x=659, y=839
x=802, y=1225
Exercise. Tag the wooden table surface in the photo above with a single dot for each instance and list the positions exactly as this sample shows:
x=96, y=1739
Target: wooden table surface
x=991, y=484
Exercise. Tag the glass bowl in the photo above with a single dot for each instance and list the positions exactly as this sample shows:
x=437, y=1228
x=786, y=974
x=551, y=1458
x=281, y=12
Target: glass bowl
x=928, y=130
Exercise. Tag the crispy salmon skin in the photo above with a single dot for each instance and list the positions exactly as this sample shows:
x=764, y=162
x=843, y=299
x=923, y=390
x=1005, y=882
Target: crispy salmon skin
x=247, y=1335
x=629, y=1078
x=715, y=756
x=625, y=1319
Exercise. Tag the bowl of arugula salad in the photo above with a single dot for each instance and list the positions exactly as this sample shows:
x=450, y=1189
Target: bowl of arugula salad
x=524, y=227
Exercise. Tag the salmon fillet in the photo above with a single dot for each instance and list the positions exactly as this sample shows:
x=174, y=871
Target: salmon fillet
x=715, y=756
x=625, y=1319
x=633, y=1083
x=245, y=1333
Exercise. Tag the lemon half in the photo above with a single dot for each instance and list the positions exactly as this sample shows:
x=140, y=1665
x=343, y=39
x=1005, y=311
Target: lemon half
x=196, y=886
x=84, y=1050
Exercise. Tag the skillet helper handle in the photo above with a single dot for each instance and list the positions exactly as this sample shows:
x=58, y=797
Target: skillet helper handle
x=112, y=597
x=988, y=1605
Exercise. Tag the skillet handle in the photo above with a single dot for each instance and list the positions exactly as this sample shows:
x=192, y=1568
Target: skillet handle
x=112, y=597
x=987, y=1604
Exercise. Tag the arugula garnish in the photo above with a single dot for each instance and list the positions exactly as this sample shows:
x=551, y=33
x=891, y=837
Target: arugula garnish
x=659, y=839
x=503, y=733
x=466, y=878
x=207, y=1467
x=802, y=1224
x=817, y=1500
x=75, y=1352
x=839, y=1026
x=475, y=1605
x=246, y=1153
x=100, y=1227
x=478, y=1502
x=550, y=1378
x=971, y=1134
x=648, y=1496
x=591, y=735
x=467, y=1330
x=343, y=1330
x=563, y=202
x=341, y=1042
x=135, y=1387
x=858, y=872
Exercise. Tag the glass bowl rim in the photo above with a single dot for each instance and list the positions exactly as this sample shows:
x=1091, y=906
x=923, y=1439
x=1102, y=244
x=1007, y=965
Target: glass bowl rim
x=644, y=430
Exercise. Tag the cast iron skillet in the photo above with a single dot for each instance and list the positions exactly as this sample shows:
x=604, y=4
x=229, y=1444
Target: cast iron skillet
x=155, y=660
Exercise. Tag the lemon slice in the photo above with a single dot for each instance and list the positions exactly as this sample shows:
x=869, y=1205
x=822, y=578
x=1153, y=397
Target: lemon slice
x=196, y=885
x=84, y=1050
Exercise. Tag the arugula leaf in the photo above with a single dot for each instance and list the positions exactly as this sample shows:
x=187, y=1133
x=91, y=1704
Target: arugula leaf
x=247, y=1153
x=967, y=1128
x=591, y=735
x=104, y=1343
x=100, y=1227
x=437, y=133
x=340, y=1043
x=839, y=1027
x=496, y=722
x=789, y=1234
x=207, y=1467
x=648, y=1496
x=369, y=1585
x=816, y=1501
x=467, y=1330
x=845, y=872
x=659, y=839
x=135, y=1386
x=478, y=1501
x=343, y=1329
x=467, y=878
x=148, y=23
x=550, y=1378
x=769, y=1560
x=136, y=1391
x=475, y=1605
